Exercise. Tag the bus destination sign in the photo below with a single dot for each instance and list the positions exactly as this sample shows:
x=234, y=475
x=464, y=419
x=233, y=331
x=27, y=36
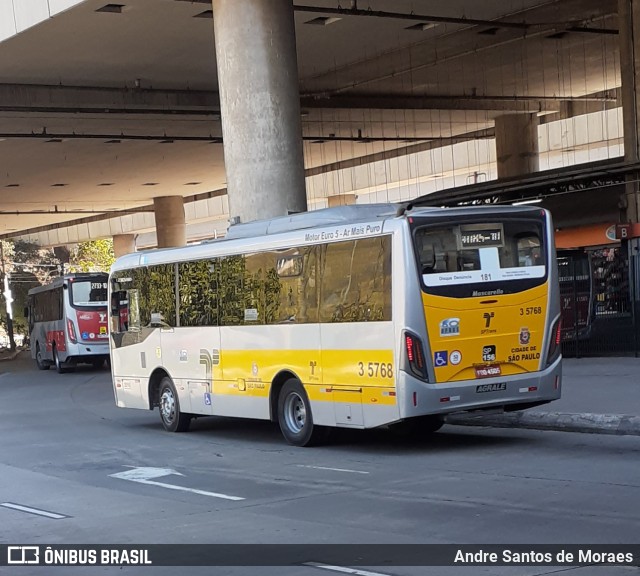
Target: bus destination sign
x=484, y=237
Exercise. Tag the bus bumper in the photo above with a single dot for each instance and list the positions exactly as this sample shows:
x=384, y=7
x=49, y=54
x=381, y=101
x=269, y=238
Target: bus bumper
x=80, y=352
x=418, y=398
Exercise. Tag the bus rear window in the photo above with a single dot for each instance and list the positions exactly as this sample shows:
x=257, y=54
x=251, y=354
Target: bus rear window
x=88, y=293
x=478, y=259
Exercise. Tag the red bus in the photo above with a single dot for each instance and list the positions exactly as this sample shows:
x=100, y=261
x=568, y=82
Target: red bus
x=68, y=322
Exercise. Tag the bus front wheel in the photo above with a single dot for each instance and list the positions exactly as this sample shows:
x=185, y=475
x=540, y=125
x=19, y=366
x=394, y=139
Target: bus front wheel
x=172, y=419
x=42, y=364
x=295, y=418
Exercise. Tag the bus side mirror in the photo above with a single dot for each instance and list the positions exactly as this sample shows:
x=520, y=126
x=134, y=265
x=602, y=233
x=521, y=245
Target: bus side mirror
x=25, y=312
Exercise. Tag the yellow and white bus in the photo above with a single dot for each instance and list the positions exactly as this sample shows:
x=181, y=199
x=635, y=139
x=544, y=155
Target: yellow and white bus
x=357, y=316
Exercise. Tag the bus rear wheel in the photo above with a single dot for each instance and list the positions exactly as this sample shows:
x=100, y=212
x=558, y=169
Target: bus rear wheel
x=172, y=419
x=42, y=364
x=61, y=367
x=295, y=418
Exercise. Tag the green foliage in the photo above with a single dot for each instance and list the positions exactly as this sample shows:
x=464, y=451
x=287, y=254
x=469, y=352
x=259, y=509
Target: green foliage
x=272, y=289
x=28, y=266
x=199, y=294
x=231, y=272
x=219, y=291
x=92, y=256
x=155, y=293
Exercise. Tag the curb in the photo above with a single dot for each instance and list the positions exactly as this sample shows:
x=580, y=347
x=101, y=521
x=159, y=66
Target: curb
x=11, y=356
x=586, y=423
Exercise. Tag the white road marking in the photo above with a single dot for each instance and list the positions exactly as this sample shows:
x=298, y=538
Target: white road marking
x=36, y=511
x=344, y=570
x=144, y=475
x=334, y=469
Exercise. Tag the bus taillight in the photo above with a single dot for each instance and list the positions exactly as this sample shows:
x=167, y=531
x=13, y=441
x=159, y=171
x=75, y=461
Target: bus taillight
x=71, y=330
x=415, y=355
x=554, y=342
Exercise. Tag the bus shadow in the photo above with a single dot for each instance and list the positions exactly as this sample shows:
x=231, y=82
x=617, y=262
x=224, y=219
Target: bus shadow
x=448, y=439
x=268, y=433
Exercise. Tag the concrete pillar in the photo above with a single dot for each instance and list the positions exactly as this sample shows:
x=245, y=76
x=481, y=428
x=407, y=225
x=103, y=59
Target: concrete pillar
x=516, y=144
x=629, y=29
x=260, y=106
x=170, y=224
x=124, y=244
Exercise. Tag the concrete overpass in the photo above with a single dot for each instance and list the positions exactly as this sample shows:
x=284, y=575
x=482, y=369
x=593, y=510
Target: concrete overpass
x=105, y=107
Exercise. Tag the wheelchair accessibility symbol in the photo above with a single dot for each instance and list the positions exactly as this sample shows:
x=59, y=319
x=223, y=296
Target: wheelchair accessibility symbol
x=440, y=358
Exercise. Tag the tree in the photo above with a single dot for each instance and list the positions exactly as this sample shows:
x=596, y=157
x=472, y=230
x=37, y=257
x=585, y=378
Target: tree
x=92, y=256
x=27, y=265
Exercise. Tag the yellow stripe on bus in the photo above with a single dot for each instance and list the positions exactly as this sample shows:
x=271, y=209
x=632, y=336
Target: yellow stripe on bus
x=366, y=376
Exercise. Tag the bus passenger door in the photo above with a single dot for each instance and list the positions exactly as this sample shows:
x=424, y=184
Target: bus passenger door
x=357, y=338
x=135, y=349
x=191, y=356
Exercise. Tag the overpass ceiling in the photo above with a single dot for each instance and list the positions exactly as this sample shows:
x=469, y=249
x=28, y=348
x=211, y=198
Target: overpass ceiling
x=103, y=111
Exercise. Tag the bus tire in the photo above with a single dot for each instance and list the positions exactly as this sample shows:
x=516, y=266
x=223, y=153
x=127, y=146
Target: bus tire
x=172, y=418
x=61, y=368
x=40, y=363
x=295, y=417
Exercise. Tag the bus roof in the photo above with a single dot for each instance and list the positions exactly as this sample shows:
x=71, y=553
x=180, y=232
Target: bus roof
x=60, y=280
x=353, y=214
x=254, y=233
x=314, y=219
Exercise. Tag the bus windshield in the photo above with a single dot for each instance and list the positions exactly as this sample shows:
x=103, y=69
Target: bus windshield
x=88, y=293
x=481, y=259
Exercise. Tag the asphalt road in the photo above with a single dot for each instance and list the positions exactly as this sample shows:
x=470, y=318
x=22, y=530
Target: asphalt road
x=63, y=439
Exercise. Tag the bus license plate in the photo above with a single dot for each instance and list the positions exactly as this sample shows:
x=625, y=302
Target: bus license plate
x=491, y=387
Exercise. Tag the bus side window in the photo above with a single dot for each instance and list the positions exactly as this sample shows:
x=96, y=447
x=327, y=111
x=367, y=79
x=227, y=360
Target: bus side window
x=469, y=260
x=441, y=262
x=119, y=311
x=427, y=258
x=125, y=311
x=350, y=292
x=529, y=251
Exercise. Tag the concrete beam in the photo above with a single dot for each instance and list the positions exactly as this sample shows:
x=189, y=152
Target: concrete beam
x=210, y=206
x=376, y=70
x=528, y=104
x=90, y=99
x=95, y=100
